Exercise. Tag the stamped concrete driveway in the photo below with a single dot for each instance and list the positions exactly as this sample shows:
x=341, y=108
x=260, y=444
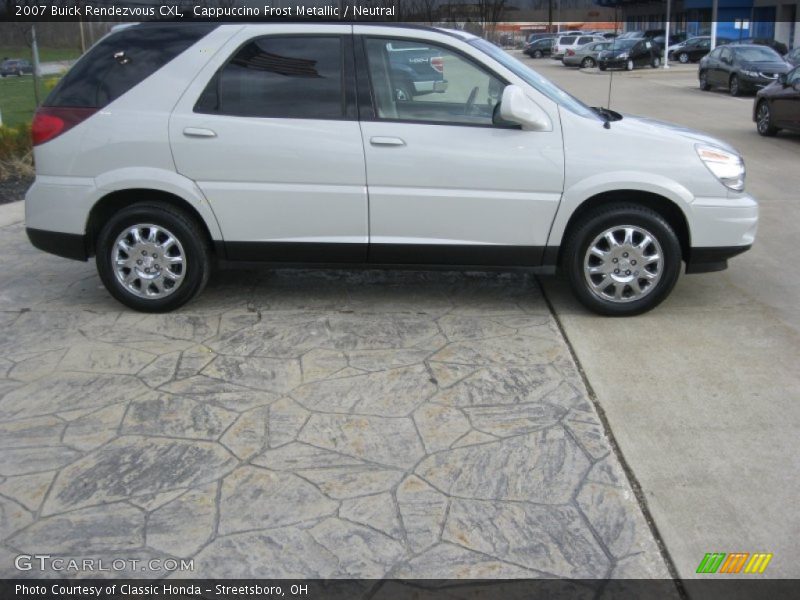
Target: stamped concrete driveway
x=305, y=424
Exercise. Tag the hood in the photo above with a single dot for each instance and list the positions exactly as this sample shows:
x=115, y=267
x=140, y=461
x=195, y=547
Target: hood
x=766, y=67
x=661, y=127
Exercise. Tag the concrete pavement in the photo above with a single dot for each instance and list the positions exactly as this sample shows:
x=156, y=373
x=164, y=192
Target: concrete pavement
x=703, y=394
x=304, y=424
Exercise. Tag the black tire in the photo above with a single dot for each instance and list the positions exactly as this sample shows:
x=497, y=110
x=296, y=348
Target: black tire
x=655, y=63
x=629, y=65
x=734, y=86
x=704, y=85
x=183, y=227
x=537, y=54
x=603, y=67
x=683, y=58
x=764, y=124
x=587, y=63
x=583, y=233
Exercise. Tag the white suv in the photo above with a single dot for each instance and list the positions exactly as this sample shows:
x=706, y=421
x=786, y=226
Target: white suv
x=169, y=147
x=571, y=42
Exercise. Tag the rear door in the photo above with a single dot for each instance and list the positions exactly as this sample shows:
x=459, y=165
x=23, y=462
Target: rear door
x=446, y=185
x=269, y=132
x=786, y=102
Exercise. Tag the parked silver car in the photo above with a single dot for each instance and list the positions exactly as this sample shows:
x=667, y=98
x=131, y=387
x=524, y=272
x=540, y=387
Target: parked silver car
x=585, y=56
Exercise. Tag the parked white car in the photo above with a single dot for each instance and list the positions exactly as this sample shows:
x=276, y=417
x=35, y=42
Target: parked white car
x=169, y=147
x=570, y=42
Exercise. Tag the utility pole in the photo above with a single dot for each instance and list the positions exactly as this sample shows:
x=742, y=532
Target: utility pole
x=36, y=69
x=714, y=11
x=666, y=38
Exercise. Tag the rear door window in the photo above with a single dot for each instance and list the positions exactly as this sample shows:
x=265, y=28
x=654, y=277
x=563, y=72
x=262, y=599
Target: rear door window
x=280, y=77
x=122, y=60
x=567, y=40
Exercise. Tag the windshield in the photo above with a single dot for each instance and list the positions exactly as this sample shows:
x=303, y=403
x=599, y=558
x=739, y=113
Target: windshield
x=758, y=54
x=531, y=77
x=624, y=44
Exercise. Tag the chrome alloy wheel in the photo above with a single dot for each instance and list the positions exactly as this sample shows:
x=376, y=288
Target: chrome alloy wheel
x=149, y=261
x=624, y=263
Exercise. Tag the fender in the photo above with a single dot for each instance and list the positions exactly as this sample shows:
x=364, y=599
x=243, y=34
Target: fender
x=163, y=181
x=581, y=191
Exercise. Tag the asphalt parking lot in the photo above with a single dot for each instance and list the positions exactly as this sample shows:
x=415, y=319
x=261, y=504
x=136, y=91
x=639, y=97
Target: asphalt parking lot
x=703, y=393
x=369, y=424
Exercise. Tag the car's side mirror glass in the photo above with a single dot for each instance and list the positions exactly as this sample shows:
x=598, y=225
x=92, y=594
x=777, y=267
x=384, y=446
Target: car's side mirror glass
x=516, y=107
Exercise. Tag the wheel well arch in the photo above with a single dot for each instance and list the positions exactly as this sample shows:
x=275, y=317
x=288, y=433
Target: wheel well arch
x=113, y=202
x=665, y=207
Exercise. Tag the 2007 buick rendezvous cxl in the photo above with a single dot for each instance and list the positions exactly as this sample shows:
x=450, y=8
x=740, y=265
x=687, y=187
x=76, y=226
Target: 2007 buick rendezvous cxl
x=168, y=146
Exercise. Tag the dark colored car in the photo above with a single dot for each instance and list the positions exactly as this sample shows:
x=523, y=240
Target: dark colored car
x=674, y=38
x=694, y=49
x=416, y=70
x=779, y=47
x=539, y=48
x=740, y=68
x=628, y=54
x=15, y=66
x=777, y=106
x=793, y=58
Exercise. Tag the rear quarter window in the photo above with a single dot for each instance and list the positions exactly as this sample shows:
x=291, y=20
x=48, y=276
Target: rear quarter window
x=566, y=41
x=123, y=60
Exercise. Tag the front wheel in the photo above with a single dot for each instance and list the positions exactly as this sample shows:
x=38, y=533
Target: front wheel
x=603, y=67
x=629, y=65
x=587, y=63
x=683, y=58
x=537, y=54
x=734, y=86
x=622, y=259
x=153, y=257
x=656, y=62
x=704, y=85
x=764, y=124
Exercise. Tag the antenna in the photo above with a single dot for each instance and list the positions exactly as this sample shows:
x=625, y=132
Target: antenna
x=613, y=47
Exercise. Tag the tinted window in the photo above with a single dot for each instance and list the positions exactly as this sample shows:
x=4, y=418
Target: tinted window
x=793, y=77
x=122, y=60
x=290, y=77
x=585, y=40
x=567, y=40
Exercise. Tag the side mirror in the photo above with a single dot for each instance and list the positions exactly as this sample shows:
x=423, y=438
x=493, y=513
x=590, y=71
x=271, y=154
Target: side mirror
x=516, y=107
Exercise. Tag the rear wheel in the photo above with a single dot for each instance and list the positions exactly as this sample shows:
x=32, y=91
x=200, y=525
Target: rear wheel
x=764, y=120
x=537, y=54
x=622, y=259
x=402, y=92
x=587, y=63
x=704, y=85
x=683, y=58
x=655, y=63
x=734, y=86
x=153, y=257
x=629, y=65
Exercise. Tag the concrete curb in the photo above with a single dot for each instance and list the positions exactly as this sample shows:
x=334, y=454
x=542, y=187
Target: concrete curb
x=13, y=212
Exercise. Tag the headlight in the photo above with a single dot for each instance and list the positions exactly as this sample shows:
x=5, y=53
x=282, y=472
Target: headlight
x=623, y=56
x=750, y=73
x=726, y=166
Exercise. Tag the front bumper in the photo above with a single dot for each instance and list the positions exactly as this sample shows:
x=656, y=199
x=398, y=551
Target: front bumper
x=755, y=83
x=613, y=63
x=721, y=228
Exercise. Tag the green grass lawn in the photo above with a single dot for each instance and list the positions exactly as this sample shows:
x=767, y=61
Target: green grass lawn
x=45, y=54
x=17, y=100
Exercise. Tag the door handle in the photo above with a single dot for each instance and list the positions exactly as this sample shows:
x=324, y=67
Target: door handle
x=386, y=141
x=199, y=132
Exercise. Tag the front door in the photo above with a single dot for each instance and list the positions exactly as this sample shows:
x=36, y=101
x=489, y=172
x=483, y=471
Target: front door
x=446, y=185
x=270, y=134
x=786, y=102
